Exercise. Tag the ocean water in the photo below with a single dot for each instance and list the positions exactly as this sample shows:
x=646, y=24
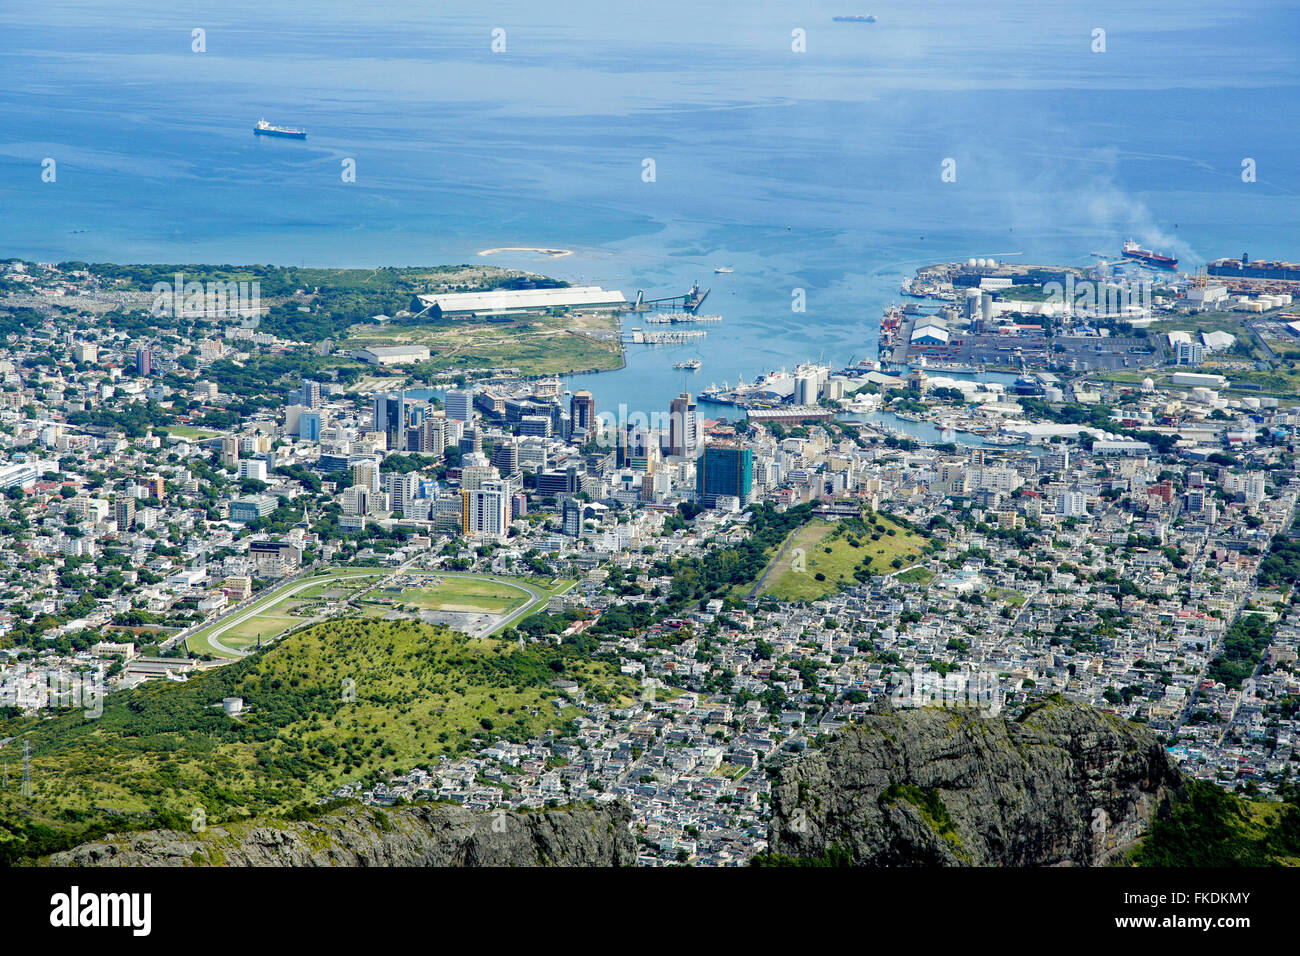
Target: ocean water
x=816, y=170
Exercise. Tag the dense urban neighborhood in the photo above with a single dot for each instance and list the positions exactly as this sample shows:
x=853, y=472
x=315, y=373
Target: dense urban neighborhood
x=192, y=481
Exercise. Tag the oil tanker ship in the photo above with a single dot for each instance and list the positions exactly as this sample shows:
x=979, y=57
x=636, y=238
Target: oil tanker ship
x=263, y=128
x=1132, y=250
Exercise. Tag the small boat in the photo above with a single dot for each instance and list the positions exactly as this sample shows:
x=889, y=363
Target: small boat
x=869, y=18
x=723, y=270
x=692, y=364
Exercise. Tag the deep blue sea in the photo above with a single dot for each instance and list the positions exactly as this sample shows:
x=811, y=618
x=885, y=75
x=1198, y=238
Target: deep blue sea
x=817, y=170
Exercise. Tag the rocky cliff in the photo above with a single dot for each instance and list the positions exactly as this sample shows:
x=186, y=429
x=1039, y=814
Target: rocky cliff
x=354, y=835
x=1064, y=785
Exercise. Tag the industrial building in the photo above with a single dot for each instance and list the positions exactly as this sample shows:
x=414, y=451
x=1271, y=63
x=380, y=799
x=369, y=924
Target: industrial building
x=519, y=301
x=391, y=354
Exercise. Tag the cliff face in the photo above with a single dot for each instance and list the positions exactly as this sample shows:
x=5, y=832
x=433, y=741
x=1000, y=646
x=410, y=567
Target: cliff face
x=419, y=835
x=1068, y=785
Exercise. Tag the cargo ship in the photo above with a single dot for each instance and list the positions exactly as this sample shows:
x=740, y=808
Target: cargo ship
x=1243, y=268
x=263, y=128
x=1132, y=250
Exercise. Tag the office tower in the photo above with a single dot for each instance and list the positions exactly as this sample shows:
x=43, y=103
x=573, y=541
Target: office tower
x=536, y=425
x=390, y=411
x=724, y=470
x=309, y=426
x=390, y=418
x=638, y=448
x=505, y=456
x=1189, y=353
x=311, y=393
x=124, y=513
x=582, y=414
x=144, y=361
x=460, y=405
x=683, y=441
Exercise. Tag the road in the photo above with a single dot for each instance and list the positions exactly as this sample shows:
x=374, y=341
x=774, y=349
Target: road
x=276, y=597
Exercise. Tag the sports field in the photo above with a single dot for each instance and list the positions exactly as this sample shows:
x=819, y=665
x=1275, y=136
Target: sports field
x=233, y=634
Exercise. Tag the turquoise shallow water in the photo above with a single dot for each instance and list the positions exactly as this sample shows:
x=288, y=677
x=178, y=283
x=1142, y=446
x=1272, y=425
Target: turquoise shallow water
x=817, y=170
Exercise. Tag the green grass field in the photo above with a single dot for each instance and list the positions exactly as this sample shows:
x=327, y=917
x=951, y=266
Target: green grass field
x=915, y=576
x=268, y=625
x=189, y=431
x=460, y=594
x=823, y=556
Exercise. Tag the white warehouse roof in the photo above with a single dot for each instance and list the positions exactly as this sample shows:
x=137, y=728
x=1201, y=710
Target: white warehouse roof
x=521, y=300
x=931, y=331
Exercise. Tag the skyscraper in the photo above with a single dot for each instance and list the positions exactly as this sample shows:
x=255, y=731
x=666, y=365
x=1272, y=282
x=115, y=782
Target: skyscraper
x=683, y=441
x=582, y=413
x=310, y=393
x=724, y=470
x=144, y=361
x=390, y=418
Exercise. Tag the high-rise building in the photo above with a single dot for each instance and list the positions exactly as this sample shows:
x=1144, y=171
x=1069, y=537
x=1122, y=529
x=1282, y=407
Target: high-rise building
x=365, y=473
x=582, y=414
x=401, y=490
x=230, y=451
x=154, y=486
x=124, y=513
x=309, y=426
x=460, y=405
x=144, y=361
x=310, y=393
x=505, y=456
x=537, y=425
x=683, y=441
x=390, y=413
x=486, y=510
x=429, y=437
x=571, y=517
x=1072, y=504
x=638, y=448
x=724, y=470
